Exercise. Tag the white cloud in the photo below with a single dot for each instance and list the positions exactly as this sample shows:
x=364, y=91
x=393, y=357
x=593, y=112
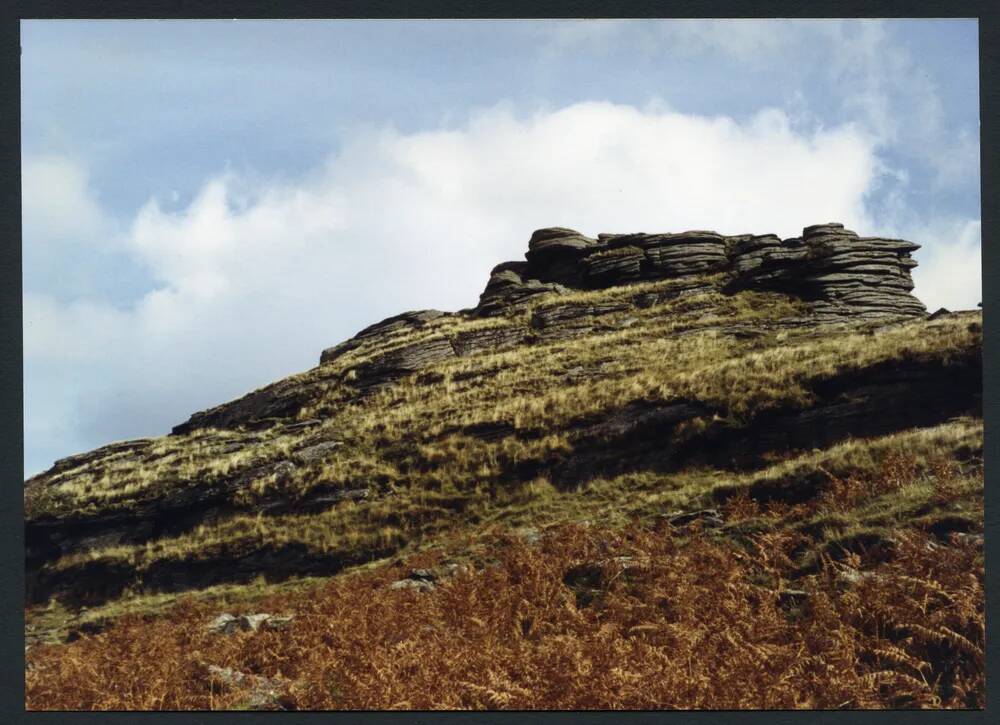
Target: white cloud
x=255, y=279
x=950, y=271
x=71, y=240
x=58, y=203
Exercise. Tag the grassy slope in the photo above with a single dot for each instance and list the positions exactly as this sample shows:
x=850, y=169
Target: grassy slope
x=439, y=489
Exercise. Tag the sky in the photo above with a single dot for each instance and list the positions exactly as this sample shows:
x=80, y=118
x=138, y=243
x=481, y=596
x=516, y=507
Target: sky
x=207, y=205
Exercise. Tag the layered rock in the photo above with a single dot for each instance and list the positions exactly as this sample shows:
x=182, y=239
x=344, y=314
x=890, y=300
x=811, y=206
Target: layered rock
x=508, y=289
x=401, y=361
x=554, y=253
x=842, y=274
x=397, y=323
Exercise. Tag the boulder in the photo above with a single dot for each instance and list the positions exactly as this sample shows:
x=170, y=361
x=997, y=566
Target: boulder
x=260, y=693
x=230, y=624
x=558, y=239
x=416, y=582
x=554, y=255
x=277, y=623
x=508, y=290
x=427, y=580
x=252, y=622
x=224, y=624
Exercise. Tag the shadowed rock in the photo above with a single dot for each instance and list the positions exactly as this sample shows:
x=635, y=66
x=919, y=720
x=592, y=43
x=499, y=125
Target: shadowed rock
x=509, y=290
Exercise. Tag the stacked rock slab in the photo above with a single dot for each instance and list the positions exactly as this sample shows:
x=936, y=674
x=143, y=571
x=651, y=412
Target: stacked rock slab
x=509, y=288
x=404, y=322
x=841, y=274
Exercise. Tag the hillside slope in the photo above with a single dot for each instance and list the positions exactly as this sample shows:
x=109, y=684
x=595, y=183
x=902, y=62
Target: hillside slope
x=745, y=385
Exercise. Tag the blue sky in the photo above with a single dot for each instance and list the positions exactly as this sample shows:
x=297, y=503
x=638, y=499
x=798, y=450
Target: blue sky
x=209, y=204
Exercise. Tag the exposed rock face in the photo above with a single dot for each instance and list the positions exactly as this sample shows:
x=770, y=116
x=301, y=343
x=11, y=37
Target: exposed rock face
x=104, y=452
x=508, y=289
x=402, y=361
x=405, y=321
x=844, y=275
x=261, y=408
x=489, y=338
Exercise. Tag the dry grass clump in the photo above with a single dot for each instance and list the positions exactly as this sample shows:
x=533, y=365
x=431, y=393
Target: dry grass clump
x=587, y=618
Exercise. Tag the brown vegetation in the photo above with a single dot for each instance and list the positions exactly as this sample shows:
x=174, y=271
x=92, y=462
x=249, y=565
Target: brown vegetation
x=665, y=622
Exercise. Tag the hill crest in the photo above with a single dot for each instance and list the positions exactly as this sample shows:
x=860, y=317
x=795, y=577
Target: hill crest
x=839, y=276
